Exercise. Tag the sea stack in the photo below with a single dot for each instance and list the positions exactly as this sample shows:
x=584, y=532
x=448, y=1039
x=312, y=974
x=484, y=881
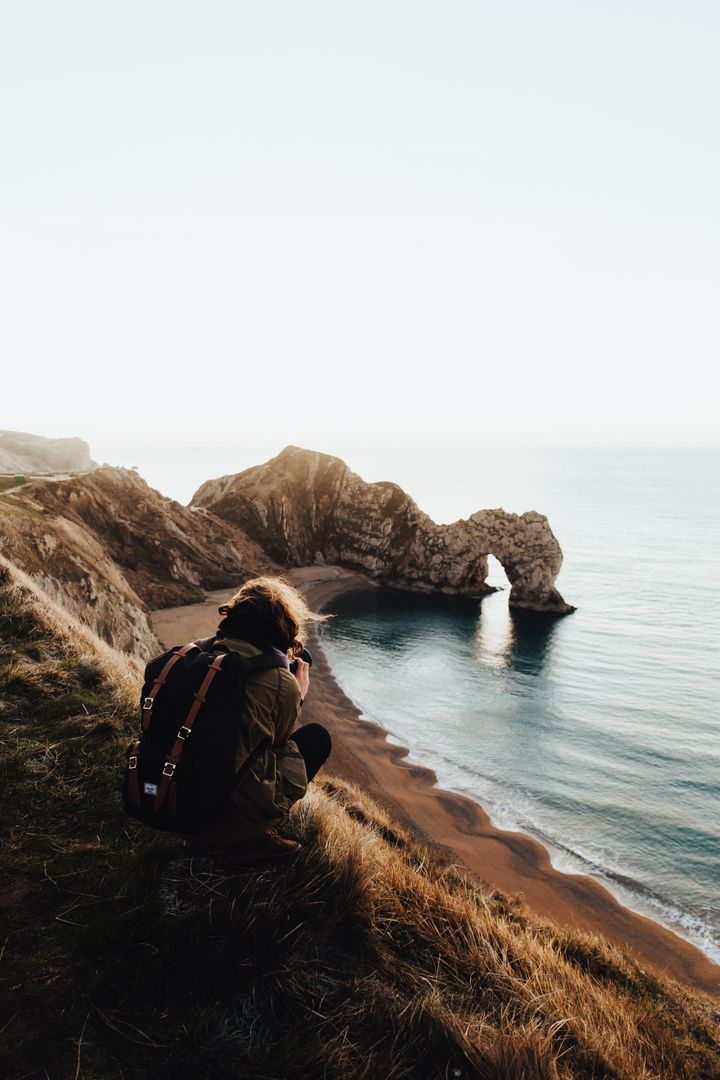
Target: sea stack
x=306, y=508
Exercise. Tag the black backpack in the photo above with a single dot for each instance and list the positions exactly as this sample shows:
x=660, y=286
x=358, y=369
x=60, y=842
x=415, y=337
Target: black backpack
x=181, y=768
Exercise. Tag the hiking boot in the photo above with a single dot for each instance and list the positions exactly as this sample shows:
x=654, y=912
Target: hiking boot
x=269, y=846
x=266, y=849
x=274, y=846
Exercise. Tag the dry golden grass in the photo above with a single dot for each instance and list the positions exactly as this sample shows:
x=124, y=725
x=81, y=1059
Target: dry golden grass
x=24, y=595
x=362, y=957
x=521, y=996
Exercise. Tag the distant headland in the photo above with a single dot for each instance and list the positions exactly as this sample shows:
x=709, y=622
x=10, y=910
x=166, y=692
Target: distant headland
x=21, y=452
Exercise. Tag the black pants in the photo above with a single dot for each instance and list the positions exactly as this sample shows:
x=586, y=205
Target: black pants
x=314, y=744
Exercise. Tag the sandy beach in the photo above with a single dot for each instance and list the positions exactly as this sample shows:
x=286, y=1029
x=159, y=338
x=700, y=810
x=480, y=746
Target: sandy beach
x=451, y=824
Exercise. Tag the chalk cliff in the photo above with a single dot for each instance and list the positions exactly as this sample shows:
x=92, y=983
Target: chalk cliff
x=21, y=452
x=304, y=507
x=109, y=548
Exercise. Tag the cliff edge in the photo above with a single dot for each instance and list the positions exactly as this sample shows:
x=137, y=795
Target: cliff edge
x=305, y=507
x=364, y=956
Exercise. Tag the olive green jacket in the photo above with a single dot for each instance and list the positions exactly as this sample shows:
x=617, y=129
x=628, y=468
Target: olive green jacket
x=270, y=768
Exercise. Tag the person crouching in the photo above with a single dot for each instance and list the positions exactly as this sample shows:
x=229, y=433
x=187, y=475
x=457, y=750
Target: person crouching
x=274, y=760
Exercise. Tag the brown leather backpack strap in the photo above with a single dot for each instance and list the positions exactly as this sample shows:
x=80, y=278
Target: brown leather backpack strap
x=133, y=783
x=181, y=738
x=149, y=701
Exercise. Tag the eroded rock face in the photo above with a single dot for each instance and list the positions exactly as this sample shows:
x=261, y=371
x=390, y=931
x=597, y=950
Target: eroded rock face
x=22, y=453
x=168, y=552
x=109, y=548
x=304, y=507
x=72, y=566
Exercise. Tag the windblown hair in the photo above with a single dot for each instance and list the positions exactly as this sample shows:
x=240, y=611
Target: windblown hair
x=268, y=611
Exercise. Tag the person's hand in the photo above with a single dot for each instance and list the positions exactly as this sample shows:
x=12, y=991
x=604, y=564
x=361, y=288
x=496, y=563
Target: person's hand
x=302, y=674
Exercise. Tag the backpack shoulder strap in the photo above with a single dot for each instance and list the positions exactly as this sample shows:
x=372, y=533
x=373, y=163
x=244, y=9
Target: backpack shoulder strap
x=181, y=738
x=149, y=701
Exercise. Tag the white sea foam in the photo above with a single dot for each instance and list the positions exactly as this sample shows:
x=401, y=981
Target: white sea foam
x=516, y=815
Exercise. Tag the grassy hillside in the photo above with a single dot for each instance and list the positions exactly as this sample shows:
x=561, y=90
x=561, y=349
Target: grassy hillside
x=361, y=958
x=109, y=548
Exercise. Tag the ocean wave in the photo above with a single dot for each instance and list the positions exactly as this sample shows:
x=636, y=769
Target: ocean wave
x=691, y=925
x=513, y=811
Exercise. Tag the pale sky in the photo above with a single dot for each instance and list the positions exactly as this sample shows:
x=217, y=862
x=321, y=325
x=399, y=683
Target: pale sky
x=382, y=222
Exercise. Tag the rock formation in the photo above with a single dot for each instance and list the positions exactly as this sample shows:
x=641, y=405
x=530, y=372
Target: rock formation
x=109, y=548
x=24, y=453
x=304, y=507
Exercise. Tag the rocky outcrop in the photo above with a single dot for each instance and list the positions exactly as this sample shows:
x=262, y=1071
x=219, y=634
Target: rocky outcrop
x=168, y=552
x=109, y=548
x=71, y=565
x=304, y=507
x=22, y=453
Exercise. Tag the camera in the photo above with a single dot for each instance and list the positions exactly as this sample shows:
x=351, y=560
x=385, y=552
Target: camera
x=304, y=655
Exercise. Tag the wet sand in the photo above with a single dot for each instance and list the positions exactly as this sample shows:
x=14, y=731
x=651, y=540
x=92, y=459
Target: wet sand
x=452, y=824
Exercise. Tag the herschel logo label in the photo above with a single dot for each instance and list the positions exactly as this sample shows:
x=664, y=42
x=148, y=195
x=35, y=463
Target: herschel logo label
x=150, y=789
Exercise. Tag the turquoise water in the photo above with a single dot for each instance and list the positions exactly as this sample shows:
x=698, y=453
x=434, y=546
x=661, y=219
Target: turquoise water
x=598, y=733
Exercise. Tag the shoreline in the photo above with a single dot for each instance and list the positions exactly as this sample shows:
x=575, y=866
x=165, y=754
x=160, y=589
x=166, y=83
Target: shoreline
x=452, y=824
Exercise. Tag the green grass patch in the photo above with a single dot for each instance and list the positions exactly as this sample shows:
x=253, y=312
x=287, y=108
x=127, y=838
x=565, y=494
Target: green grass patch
x=11, y=482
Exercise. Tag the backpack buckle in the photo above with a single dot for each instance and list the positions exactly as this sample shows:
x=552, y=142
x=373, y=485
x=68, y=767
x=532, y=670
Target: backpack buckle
x=132, y=762
x=148, y=704
x=185, y=729
x=171, y=766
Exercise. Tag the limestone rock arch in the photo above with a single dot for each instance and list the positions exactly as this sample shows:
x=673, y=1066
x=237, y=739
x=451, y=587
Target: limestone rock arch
x=304, y=507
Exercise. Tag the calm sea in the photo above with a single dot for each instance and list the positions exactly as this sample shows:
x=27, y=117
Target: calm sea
x=598, y=733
